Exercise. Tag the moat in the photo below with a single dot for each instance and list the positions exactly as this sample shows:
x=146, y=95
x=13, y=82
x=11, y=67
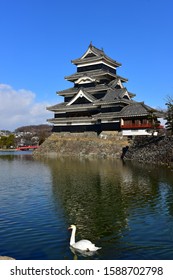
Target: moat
x=123, y=207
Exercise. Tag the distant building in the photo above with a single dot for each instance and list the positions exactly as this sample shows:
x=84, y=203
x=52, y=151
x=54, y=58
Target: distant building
x=99, y=101
x=4, y=133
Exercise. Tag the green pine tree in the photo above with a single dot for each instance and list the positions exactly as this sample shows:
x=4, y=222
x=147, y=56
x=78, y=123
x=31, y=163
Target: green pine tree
x=169, y=115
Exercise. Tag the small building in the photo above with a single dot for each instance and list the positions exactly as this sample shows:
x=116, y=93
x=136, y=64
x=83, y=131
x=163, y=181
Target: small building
x=99, y=101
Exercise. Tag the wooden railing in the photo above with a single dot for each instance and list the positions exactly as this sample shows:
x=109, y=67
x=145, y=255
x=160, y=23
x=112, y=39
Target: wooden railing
x=137, y=126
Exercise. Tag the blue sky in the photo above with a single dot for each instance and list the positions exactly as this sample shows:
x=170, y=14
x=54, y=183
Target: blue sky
x=39, y=38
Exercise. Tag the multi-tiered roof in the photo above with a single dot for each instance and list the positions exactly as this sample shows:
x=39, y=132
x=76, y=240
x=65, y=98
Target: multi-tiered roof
x=98, y=99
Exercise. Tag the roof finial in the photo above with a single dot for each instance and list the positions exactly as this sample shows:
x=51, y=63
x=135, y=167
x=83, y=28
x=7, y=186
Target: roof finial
x=91, y=44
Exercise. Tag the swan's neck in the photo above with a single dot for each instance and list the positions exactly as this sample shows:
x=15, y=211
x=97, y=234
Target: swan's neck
x=72, y=238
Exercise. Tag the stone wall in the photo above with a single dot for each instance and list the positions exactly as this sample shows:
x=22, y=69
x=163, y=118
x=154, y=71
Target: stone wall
x=89, y=144
x=157, y=150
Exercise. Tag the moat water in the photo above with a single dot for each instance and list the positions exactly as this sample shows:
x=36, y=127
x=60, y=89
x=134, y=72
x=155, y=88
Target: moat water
x=125, y=208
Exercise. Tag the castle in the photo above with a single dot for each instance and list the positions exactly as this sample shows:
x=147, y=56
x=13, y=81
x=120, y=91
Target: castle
x=98, y=100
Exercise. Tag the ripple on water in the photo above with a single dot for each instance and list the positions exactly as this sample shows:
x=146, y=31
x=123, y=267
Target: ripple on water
x=125, y=209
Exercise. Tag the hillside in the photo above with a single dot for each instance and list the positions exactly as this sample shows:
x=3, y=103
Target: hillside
x=35, y=129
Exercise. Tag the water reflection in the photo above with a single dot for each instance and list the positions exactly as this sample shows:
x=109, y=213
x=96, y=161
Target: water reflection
x=125, y=208
x=105, y=198
x=16, y=155
x=89, y=195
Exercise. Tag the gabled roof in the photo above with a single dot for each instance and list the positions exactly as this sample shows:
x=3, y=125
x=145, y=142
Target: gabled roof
x=94, y=54
x=114, y=94
x=81, y=93
x=116, y=82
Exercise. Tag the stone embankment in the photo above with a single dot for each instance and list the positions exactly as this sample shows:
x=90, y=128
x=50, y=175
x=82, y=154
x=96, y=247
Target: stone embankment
x=145, y=149
x=157, y=150
x=106, y=145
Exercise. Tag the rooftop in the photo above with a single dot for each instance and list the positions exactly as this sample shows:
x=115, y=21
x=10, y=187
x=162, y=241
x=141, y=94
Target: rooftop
x=95, y=54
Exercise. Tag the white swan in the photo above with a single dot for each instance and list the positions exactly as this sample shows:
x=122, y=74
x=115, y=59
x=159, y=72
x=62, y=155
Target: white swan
x=82, y=245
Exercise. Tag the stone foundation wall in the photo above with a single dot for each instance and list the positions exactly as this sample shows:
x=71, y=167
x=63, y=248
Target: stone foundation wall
x=157, y=150
x=87, y=144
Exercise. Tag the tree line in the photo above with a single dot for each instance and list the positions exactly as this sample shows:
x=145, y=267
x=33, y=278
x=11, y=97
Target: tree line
x=30, y=135
x=7, y=141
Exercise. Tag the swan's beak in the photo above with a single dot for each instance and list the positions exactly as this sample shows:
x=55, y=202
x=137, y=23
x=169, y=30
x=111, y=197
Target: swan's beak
x=69, y=228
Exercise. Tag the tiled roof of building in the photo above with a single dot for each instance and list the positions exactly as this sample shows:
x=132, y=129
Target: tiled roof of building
x=98, y=88
x=63, y=106
x=95, y=104
x=136, y=109
x=74, y=90
x=99, y=54
x=91, y=74
x=94, y=74
x=114, y=94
